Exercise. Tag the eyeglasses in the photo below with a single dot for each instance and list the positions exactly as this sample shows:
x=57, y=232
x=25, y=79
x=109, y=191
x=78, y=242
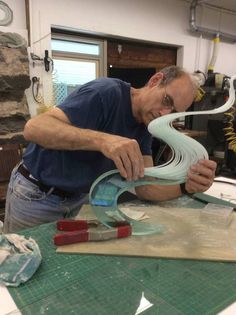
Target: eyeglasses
x=168, y=102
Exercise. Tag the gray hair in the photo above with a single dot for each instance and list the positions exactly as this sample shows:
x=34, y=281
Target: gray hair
x=174, y=72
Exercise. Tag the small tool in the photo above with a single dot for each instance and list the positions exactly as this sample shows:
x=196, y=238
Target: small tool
x=76, y=231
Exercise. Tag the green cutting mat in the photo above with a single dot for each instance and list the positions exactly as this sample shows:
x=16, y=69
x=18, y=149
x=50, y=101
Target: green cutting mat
x=106, y=285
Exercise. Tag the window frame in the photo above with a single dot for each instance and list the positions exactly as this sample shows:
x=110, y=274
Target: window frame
x=100, y=59
x=75, y=58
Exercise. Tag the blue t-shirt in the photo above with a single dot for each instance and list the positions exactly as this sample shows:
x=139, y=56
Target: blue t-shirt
x=102, y=105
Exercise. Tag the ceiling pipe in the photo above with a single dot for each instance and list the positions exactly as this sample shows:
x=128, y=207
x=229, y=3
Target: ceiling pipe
x=203, y=30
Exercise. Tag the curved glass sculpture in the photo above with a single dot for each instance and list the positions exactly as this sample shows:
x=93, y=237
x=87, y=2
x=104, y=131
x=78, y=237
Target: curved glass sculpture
x=186, y=151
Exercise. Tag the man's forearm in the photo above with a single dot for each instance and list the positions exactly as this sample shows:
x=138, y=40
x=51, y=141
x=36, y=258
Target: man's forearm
x=55, y=134
x=53, y=130
x=158, y=192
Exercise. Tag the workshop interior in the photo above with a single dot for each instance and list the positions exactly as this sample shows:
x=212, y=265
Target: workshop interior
x=50, y=48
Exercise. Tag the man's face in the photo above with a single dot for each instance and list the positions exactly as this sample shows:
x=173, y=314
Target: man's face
x=160, y=100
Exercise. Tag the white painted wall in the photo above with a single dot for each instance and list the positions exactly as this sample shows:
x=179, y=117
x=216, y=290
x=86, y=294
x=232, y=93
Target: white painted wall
x=154, y=20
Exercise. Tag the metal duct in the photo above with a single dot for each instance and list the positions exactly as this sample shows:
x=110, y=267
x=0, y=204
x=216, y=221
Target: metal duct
x=203, y=30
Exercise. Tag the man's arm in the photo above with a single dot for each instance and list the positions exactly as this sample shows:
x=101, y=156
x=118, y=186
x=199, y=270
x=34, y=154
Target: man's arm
x=53, y=130
x=200, y=177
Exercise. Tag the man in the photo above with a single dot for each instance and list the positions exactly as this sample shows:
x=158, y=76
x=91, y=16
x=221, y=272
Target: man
x=100, y=126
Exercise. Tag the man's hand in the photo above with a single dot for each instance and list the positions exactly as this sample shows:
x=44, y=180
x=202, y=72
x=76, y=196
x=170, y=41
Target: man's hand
x=200, y=176
x=126, y=155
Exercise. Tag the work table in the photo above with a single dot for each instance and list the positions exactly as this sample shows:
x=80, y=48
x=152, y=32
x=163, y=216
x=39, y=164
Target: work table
x=96, y=284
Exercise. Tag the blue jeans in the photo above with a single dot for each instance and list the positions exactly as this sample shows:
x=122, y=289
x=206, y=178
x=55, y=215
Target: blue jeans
x=27, y=205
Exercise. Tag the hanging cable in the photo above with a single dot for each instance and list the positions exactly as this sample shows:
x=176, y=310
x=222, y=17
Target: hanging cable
x=7, y=19
x=35, y=90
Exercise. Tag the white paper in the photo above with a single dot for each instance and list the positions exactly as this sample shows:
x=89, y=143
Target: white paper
x=224, y=191
x=144, y=305
x=7, y=304
x=134, y=214
x=230, y=310
x=225, y=180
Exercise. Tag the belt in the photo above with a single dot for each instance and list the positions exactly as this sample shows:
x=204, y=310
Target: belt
x=56, y=191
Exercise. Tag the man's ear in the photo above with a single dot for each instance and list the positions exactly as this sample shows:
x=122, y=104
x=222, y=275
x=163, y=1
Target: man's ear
x=155, y=79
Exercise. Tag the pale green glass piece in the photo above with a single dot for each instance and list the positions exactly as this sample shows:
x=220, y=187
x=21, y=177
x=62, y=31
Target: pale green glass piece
x=103, y=198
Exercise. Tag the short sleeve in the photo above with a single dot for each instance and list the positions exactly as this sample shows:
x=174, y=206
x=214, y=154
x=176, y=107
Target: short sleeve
x=83, y=108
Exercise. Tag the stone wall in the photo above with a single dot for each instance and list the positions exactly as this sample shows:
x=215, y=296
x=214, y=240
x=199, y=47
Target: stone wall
x=14, y=79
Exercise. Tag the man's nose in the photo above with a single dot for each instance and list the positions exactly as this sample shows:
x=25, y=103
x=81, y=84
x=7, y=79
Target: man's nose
x=165, y=111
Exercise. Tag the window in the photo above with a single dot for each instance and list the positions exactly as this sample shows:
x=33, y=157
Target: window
x=76, y=61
